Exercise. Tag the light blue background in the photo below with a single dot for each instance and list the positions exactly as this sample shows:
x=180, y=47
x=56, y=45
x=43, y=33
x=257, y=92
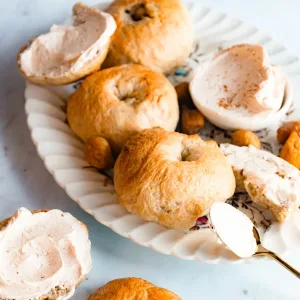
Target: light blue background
x=24, y=181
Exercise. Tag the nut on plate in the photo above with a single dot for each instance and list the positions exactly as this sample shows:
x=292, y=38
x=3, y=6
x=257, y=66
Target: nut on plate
x=183, y=95
x=291, y=150
x=243, y=137
x=192, y=120
x=98, y=154
x=286, y=129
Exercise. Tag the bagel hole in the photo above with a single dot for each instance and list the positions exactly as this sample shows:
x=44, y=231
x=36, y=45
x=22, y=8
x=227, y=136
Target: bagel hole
x=126, y=97
x=138, y=12
x=123, y=96
x=132, y=91
x=184, y=155
x=191, y=149
x=189, y=154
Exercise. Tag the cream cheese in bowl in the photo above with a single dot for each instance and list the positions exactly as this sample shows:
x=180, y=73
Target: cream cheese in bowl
x=239, y=88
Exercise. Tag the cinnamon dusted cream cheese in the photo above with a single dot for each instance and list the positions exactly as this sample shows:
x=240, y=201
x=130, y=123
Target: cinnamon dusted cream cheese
x=68, y=53
x=269, y=180
x=238, y=87
x=42, y=251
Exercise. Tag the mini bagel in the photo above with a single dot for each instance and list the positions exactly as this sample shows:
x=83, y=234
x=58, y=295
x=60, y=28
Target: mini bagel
x=132, y=288
x=118, y=102
x=154, y=33
x=171, y=178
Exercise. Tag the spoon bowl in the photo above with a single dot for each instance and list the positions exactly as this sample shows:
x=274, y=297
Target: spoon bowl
x=240, y=235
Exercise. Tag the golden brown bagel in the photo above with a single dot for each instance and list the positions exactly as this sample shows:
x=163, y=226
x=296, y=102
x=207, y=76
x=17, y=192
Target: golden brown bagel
x=171, y=178
x=118, y=102
x=132, y=288
x=154, y=33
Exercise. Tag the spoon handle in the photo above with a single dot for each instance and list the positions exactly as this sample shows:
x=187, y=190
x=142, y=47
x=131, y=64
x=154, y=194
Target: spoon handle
x=281, y=261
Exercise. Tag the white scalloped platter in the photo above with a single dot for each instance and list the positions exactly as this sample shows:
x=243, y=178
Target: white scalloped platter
x=62, y=153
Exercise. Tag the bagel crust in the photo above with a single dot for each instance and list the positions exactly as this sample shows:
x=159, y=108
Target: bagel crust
x=155, y=33
x=118, y=102
x=132, y=288
x=171, y=178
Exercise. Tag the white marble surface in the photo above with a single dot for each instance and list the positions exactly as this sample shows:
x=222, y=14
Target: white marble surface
x=24, y=181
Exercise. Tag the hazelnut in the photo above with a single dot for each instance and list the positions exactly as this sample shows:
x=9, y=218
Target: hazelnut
x=245, y=138
x=183, y=95
x=191, y=120
x=291, y=150
x=286, y=129
x=98, y=154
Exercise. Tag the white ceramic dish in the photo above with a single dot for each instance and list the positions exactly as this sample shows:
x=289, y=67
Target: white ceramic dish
x=62, y=153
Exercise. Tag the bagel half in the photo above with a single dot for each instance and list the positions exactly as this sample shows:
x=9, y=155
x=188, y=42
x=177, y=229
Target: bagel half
x=132, y=288
x=68, y=53
x=56, y=292
x=118, y=102
x=155, y=33
x=171, y=178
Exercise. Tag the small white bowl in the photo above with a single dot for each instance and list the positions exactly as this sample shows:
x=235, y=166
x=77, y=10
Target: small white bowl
x=253, y=123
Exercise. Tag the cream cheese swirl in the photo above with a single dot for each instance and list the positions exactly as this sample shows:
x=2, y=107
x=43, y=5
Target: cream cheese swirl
x=69, y=48
x=238, y=87
x=42, y=251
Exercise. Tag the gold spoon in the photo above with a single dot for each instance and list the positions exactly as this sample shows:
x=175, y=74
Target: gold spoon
x=262, y=251
x=240, y=235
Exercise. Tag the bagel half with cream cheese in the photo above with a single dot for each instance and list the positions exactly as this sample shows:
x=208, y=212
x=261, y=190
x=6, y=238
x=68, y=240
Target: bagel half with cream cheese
x=239, y=88
x=68, y=53
x=269, y=180
x=44, y=255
